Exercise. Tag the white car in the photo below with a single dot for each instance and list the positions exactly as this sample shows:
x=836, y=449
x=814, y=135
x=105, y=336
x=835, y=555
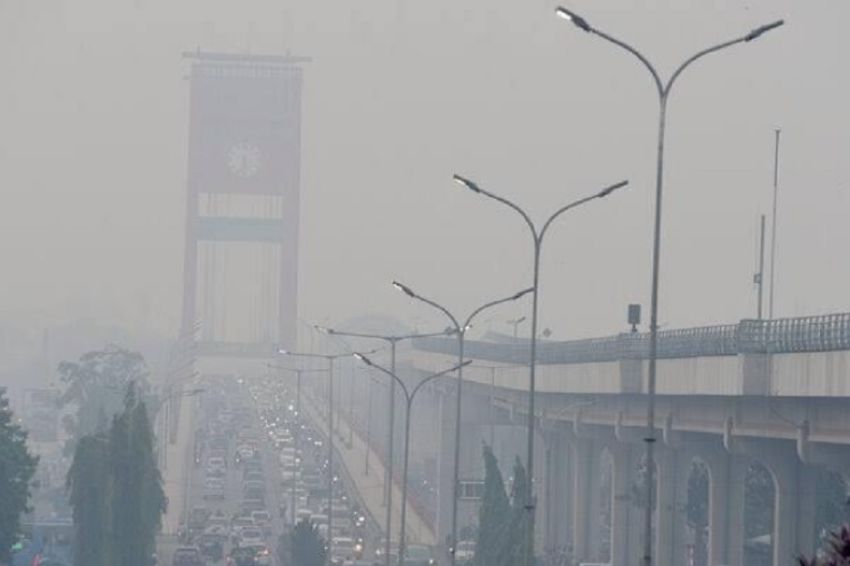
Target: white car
x=251, y=536
x=465, y=552
x=240, y=523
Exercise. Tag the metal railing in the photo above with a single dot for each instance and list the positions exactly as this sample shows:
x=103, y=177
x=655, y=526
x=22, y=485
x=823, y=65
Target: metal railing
x=785, y=335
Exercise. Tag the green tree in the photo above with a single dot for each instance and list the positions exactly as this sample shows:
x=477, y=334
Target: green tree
x=137, y=501
x=515, y=538
x=17, y=467
x=89, y=489
x=837, y=552
x=306, y=546
x=95, y=384
x=493, y=514
x=832, y=508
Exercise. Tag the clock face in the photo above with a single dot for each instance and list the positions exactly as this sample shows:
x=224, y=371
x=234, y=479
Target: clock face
x=243, y=160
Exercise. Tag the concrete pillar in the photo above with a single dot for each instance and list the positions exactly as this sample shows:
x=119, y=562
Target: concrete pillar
x=445, y=469
x=556, y=497
x=671, y=527
x=727, y=474
x=794, y=513
x=626, y=519
x=585, y=469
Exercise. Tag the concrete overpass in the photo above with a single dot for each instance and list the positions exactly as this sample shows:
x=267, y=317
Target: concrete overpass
x=774, y=392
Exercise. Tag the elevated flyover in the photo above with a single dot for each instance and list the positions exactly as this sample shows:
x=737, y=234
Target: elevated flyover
x=773, y=392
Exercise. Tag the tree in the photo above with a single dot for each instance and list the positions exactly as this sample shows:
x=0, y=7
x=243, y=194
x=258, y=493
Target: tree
x=306, y=546
x=95, y=385
x=837, y=553
x=515, y=537
x=137, y=501
x=89, y=489
x=17, y=467
x=492, y=515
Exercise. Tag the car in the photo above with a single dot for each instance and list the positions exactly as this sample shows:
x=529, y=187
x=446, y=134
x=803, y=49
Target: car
x=261, y=517
x=344, y=549
x=187, y=556
x=244, y=556
x=198, y=518
x=262, y=554
x=418, y=555
x=465, y=552
x=211, y=545
x=253, y=475
x=239, y=523
x=216, y=463
x=250, y=536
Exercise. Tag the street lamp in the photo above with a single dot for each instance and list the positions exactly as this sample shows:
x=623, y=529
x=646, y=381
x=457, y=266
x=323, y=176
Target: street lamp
x=331, y=358
x=409, y=396
x=663, y=90
x=460, y=331
x=515, y=322
x=388, y=469
x=298, y=372
x=537, y=236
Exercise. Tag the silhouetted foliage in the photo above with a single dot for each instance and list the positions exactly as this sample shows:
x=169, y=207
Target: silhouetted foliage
x=138, y=500
x=116, y=491
x=493, y=514
x=95, y=385
x=89, y=488
x=17, y=467
x=306, y=546
x=836, y=554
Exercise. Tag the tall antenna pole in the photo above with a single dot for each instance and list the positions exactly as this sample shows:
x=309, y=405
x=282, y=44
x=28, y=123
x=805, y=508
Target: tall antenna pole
x=759, y=279
x=773, y=223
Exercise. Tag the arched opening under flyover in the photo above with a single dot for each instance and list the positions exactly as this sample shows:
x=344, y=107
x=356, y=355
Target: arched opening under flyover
x=759, y=509
x=832, y=503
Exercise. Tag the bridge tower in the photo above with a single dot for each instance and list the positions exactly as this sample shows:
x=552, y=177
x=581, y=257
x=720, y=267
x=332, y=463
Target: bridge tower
x=242, y=204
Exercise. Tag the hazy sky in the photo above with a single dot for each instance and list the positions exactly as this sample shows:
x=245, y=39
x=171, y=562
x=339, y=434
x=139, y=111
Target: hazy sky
x=93, y=124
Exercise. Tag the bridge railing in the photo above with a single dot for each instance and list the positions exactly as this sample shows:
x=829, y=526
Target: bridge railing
x=802, y=334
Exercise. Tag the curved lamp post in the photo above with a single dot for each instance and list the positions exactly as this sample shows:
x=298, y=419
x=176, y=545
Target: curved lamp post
x=537, y=235
x=663, y=90
x=388, y=470
x=460, y=331
x=409, y=396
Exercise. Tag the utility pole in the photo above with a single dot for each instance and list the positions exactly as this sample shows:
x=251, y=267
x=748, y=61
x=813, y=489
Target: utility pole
x=773, y=222
x=759, y=276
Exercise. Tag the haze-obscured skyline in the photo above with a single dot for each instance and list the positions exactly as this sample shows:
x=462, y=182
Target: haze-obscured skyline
x=399, y=96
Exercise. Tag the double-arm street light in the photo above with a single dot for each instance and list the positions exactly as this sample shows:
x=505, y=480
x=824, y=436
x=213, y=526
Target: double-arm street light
x=537, y=235
x=515, y=322
x=392, y=340
x=460, y=330
x=298, y=372
x=663, y=89
x=409, y=396
x=331, y=358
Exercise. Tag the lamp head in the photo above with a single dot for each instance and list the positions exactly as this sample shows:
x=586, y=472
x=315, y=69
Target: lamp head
x=404, y=289
x=759, y=31
x=607, y=191
x=362, y=358
x=464, y=182
x=323, y=329
x=283, y=352
x=571, y=16
x=521, y=294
